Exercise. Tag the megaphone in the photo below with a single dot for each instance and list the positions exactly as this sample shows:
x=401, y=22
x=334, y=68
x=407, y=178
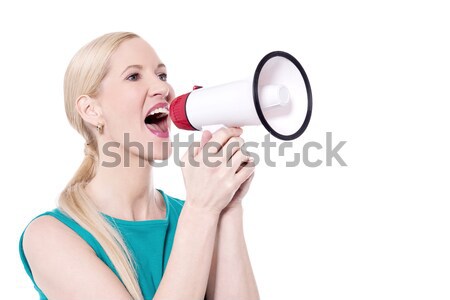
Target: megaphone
x=278, y=97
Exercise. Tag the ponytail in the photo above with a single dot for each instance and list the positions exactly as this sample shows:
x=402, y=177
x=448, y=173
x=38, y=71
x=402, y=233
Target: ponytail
x=83, y=77
x=75, y=202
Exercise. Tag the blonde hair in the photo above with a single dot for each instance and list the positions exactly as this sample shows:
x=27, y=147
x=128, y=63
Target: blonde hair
x=83, y=76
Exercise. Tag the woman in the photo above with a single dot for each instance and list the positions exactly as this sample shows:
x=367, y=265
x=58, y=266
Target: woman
x=114, y=236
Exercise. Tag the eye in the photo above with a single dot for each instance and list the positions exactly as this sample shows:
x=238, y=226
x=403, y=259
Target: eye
x=134, y=77
x=163, y=76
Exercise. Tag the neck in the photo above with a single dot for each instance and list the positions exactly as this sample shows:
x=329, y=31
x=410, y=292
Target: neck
x=125, y=190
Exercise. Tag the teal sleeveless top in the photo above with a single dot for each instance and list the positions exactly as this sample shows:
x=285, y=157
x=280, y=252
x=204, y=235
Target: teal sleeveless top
x=149, y=241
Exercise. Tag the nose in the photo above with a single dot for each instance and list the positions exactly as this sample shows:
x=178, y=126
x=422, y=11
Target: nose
x=159, y=88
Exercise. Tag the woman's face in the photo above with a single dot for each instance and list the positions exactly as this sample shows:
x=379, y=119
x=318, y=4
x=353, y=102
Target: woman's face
x=135, y=87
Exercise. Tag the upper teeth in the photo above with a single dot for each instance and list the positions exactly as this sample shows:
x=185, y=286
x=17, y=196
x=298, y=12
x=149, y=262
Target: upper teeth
x=162, y=110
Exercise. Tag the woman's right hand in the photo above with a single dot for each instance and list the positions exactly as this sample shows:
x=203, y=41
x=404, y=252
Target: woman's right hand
x=212, y=171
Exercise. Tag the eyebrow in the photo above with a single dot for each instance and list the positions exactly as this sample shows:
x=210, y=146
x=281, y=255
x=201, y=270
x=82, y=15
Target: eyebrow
x=140, y=67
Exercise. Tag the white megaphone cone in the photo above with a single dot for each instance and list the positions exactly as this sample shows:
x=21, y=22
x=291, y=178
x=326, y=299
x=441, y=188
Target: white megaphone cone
x=278, y=97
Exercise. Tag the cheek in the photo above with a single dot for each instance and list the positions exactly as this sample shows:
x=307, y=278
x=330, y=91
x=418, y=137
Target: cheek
x=124, y=109
x=130, y=101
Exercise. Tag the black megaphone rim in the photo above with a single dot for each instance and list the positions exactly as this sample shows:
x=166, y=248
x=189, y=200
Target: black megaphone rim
x=259, y=111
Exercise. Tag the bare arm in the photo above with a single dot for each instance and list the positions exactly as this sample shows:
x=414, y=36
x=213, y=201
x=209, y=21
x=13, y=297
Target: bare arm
x=64, y=266
x=187, y=271
x=212, y=187
x=231, y=275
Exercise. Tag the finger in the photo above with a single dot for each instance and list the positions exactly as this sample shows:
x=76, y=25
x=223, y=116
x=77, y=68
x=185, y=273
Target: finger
x=195, y=147
x=206, y=136
x=244, y=187
x=250, y=179
x=246, y=184
x=245, y=173
x=239, y=160
x=221, y=136
x=233, y=145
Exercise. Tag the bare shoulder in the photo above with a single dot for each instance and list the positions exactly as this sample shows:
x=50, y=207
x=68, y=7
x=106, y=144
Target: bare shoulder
x=62, y=262
x=48, y=233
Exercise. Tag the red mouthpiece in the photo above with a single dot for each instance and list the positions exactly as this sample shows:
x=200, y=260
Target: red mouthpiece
x=178, y=114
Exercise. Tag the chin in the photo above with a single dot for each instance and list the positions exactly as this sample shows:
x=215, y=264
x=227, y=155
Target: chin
x=160, y=154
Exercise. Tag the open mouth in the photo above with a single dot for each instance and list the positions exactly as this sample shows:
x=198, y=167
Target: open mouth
x=157, y=121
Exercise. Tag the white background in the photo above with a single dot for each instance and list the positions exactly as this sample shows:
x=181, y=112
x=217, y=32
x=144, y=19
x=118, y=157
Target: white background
x=379, y=71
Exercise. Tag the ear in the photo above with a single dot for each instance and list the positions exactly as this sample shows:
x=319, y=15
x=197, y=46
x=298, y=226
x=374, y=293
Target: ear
x=89, y=110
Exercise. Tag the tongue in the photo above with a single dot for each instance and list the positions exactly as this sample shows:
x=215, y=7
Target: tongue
x=160, y=125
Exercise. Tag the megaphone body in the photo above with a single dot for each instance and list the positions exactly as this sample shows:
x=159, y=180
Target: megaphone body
x=278, y=97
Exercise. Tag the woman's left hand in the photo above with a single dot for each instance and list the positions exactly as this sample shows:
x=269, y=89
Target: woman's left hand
x=236, y=201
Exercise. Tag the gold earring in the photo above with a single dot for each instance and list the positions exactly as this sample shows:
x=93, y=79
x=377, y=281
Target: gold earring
x=100, y=127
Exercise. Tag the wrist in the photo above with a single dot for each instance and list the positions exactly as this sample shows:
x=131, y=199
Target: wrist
x=232, y=214
x=235, y=209
x=203, y=215
x=231, y=223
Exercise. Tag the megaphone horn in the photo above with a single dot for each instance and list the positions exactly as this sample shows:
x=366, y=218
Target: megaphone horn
x=278, y=97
